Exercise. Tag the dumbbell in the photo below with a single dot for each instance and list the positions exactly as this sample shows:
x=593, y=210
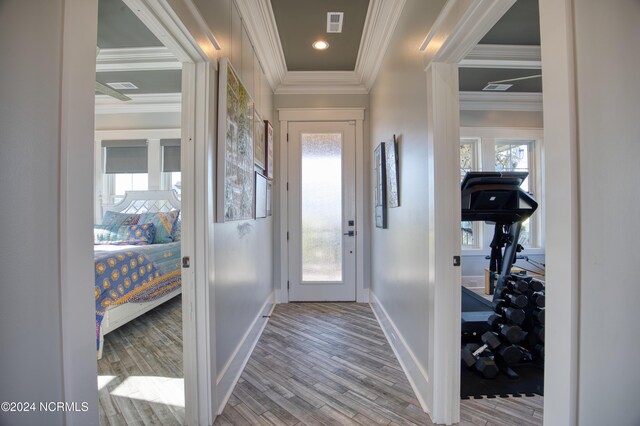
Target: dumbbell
x=538, y=315
x=510, y=353
x=512, y=333
x=513, y=314
x=518, y=285
x=479, y=357
x=539, y=349
x=538, y=331
x=519, y=300
x=472, y=351
x=538, y=299
x=536, y=285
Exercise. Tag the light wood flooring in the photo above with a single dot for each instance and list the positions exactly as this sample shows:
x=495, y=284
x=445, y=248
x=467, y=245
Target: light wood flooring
x=315, y=364
x=330, y=364
x=141, y=370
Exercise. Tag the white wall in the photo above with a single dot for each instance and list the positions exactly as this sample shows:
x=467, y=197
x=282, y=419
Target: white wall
x=242, y=255
x=591, y=115
x=607, y=69
x=399, y=254
x=526, y=119
x=34, y=141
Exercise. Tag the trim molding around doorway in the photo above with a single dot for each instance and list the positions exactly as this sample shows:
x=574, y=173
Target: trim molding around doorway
x=286, y=115
x=79, y=66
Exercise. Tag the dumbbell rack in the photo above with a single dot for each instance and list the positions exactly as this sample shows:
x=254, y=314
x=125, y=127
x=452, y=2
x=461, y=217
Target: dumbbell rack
x=517, y=330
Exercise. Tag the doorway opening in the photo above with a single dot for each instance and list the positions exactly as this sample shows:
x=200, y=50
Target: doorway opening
x=140, y=212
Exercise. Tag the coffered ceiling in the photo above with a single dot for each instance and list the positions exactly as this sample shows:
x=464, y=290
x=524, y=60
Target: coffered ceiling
x=129, y=52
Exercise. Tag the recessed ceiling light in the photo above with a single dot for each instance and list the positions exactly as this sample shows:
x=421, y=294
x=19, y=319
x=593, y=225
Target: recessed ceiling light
x=320, y=45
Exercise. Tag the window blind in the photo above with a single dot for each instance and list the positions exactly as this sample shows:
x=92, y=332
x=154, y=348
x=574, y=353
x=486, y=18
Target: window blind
x=170, y=155
x=125, y=156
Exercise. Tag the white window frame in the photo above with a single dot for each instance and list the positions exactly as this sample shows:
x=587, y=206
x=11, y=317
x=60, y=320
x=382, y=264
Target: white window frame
x=489, y=137
x=104, y=183
x=476, y=165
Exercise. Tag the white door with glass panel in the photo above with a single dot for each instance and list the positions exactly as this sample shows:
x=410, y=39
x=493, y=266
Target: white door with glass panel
x=322, y=211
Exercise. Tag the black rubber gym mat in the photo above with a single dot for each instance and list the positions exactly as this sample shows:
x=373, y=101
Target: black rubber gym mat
x=531, y=381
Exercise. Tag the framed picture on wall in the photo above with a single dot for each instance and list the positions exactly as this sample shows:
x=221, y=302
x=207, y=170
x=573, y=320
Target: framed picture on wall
x=268, y=134
x=259, y=149
x=235, y=178
x=393, y=175
x=380, y=186
x=261, y=196
x=269, y=199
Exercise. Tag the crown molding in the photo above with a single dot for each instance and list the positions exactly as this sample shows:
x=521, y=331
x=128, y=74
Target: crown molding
x=153, y=102
x=382, y=18
x=503, y=56
x=489, y=101
x=315, y=82
x=380, y=24
x=459, y=27
x=137, y=59
x=262, y=30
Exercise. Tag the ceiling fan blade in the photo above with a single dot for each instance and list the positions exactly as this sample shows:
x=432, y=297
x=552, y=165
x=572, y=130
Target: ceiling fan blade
x=106, y=90
x=515, y=79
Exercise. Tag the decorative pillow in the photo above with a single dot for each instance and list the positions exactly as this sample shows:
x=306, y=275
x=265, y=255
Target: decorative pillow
x=176, y=234
x=141, y=234
x=164, y=223
x=119, y=219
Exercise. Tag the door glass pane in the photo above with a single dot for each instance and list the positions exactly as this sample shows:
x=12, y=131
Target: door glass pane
x=321, y=207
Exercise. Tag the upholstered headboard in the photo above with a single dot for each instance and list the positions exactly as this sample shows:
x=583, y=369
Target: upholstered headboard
x=146, y=201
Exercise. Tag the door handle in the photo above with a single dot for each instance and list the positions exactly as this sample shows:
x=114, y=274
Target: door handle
x=350, y=233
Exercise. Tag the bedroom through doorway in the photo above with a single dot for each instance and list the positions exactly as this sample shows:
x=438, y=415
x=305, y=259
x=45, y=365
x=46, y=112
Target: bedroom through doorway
x=138, y=223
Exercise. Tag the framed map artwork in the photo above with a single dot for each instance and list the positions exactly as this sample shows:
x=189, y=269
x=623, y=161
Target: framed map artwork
x=235, y=178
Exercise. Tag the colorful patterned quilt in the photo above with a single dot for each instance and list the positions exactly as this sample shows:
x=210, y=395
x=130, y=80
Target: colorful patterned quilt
x=134, y=274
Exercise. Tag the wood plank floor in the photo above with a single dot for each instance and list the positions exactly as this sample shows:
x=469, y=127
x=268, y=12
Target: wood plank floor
x=330, y=364
x=315, y=364
x=141, y=371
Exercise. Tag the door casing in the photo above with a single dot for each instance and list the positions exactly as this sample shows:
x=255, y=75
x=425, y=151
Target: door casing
x=285, y=116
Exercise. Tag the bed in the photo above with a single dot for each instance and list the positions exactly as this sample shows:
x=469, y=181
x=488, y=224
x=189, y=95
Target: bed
x=140, y=269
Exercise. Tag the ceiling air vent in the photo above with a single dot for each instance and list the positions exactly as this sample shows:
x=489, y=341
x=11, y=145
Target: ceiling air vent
x=125, y=85
x=334, y=22
x=492, y=87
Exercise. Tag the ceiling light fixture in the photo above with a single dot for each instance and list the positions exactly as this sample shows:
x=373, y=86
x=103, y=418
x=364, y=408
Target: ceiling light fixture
x=320, y=45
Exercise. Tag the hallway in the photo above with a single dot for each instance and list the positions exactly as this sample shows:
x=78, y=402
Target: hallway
x=330, y=363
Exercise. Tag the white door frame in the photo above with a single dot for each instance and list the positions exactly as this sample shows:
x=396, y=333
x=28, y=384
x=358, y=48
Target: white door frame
x=286, y=115
x=78, y=73
x=458, y=28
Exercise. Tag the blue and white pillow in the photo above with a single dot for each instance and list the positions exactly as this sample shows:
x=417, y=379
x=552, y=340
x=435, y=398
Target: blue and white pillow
x=120, y=219
x=164, y=223
x=141, y=234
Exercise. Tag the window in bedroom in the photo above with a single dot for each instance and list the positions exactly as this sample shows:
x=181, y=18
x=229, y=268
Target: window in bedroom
x=125, y=167
x=470, y=161
x=171, y=175
x=515, y=156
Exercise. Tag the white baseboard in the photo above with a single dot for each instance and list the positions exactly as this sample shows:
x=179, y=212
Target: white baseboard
x=473, y=281
x=231, y=372
x=416, y=374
